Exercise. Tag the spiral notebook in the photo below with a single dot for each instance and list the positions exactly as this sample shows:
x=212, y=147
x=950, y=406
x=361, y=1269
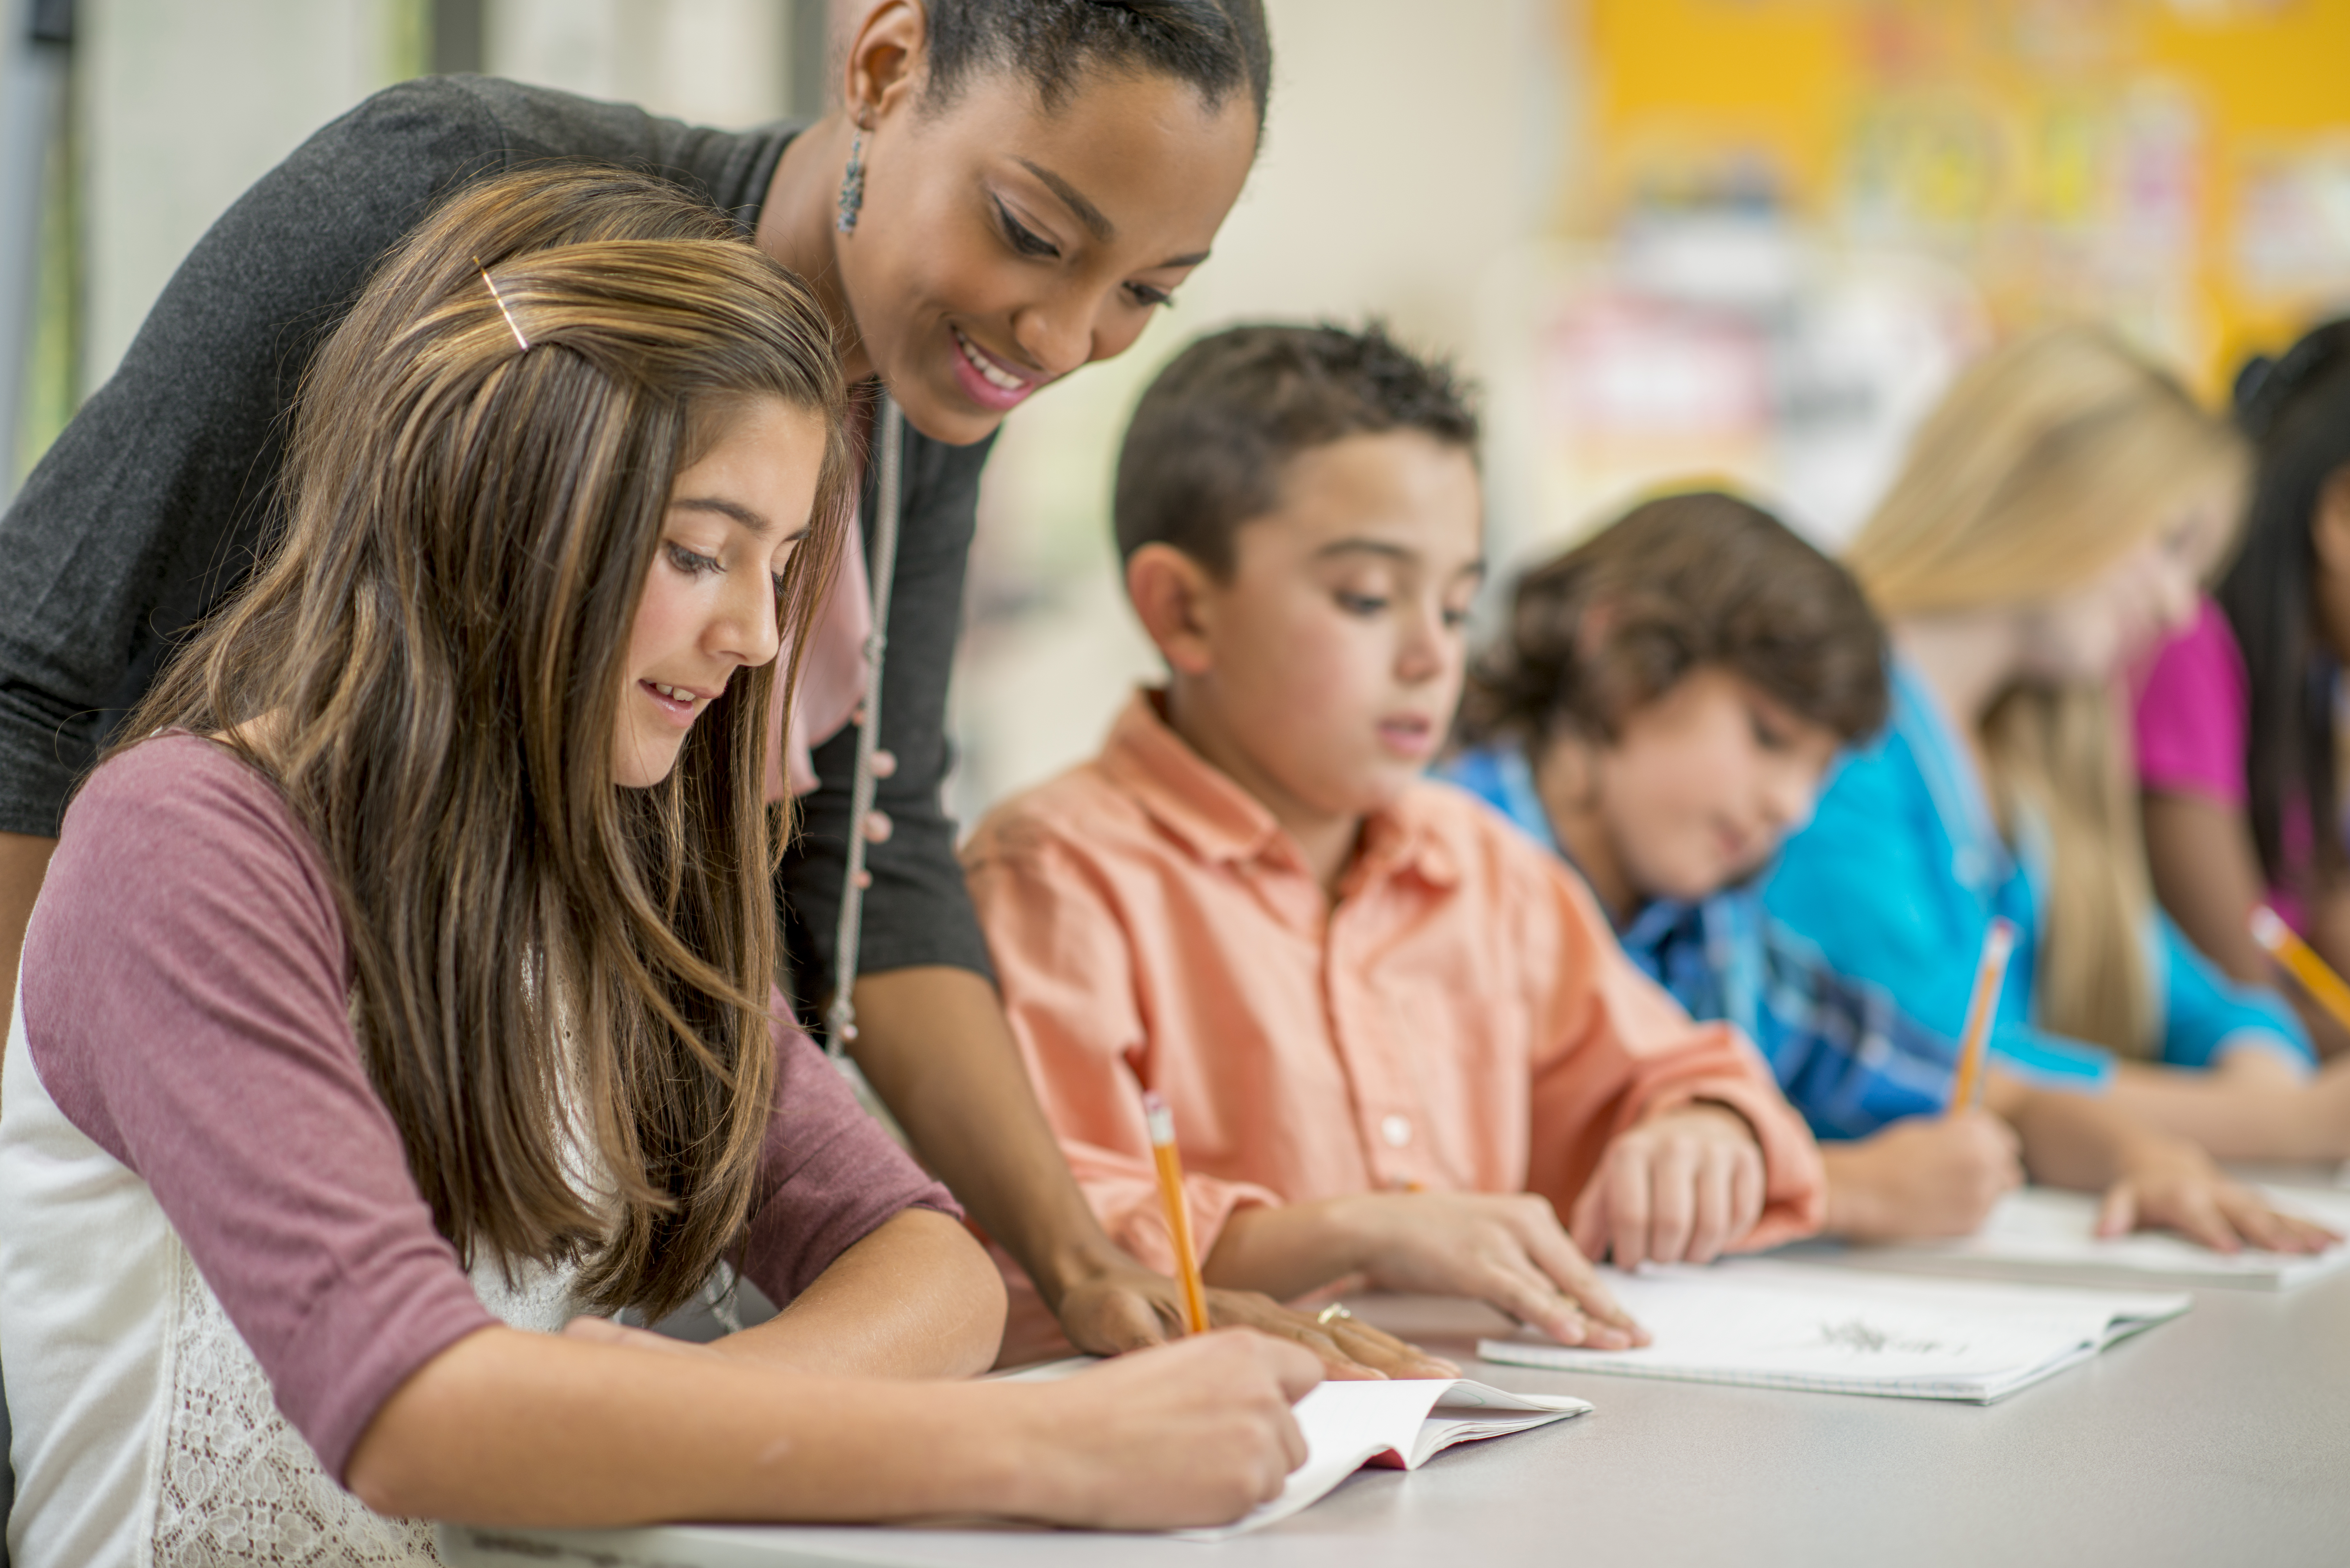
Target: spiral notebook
x=2041, y=1233
x=1768, y=1324
x=1347, y=1426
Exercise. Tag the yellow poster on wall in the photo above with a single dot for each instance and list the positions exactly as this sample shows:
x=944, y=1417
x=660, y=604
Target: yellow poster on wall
x=2179, y=167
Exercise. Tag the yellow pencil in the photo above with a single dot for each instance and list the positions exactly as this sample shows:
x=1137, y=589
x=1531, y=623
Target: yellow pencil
x=2270, y=930
x=1161, y=1122
x=1991, y=975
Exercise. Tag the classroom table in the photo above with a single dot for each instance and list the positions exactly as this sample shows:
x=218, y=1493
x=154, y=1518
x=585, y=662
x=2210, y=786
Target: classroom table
x=2220, y=1436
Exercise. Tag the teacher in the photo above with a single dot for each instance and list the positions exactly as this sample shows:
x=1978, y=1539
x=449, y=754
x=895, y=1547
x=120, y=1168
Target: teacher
x=1006, y=192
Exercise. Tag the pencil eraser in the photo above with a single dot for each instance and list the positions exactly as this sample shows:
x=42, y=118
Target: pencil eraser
x=1157, y=1118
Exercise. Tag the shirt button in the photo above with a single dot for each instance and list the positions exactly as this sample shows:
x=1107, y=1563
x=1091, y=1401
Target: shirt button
x=1396, y=1130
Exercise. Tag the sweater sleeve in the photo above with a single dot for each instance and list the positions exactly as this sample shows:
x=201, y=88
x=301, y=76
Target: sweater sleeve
x=1615, y=1048
x=157, y=498
x=830, y=1176
x=184, y=991
x=1067, y=973
x=153, y=502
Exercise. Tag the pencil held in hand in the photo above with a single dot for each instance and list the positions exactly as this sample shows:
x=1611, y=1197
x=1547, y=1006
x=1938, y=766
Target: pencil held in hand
x=1161, y=1122
x=1991, y=975
x=2324, y=987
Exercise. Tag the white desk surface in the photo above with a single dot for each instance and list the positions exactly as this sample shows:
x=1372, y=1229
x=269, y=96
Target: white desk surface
x=2223, y=1436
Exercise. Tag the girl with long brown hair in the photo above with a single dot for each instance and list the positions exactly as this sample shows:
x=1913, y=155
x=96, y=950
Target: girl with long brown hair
x=1000, y=194
x=404, y=985
x=2048, y=528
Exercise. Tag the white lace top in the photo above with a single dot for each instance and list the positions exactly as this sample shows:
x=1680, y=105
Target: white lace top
x=147, y=1430
x=201, y=1095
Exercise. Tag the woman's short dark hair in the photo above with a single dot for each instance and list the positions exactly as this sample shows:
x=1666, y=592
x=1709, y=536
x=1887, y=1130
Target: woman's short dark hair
x=1206, y=448
x=2296, y=409
x=1676, y=584
x=1218, y=47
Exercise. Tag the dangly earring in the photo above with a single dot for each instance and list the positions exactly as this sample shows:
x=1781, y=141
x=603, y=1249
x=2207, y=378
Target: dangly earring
x=852, y=185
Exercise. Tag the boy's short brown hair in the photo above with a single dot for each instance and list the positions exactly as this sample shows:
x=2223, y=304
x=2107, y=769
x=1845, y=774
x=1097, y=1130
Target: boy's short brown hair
x=1205, y=450
x=1678, y=583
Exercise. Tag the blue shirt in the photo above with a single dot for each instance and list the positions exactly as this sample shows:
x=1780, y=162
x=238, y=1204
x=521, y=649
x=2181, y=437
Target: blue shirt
x=1902, y=868
x=1843, y=1053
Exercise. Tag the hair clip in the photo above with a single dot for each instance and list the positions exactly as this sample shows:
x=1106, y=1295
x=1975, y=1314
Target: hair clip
x=501, y=300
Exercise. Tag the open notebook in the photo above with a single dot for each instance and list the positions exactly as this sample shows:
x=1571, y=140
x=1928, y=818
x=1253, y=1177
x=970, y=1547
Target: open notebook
x=1393, y=1426
x=1398, y=1425
x=1836, y=1330
x=2040, y=1233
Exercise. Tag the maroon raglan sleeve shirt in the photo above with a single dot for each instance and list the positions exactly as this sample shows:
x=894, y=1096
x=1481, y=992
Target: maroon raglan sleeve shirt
x=185, y=995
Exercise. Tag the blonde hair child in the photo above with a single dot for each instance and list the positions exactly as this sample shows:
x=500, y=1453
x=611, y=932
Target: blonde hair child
x=2049, y=526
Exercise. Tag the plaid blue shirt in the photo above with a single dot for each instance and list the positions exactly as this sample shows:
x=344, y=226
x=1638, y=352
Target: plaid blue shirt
x=1843, y=1053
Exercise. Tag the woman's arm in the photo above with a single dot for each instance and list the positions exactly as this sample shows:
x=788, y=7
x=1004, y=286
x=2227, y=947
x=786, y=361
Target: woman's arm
x=972, y=1111
x=507, y=1427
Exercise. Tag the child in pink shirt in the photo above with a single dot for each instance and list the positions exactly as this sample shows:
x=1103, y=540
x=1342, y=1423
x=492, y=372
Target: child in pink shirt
x=2238, y=720
x=1401, y=1044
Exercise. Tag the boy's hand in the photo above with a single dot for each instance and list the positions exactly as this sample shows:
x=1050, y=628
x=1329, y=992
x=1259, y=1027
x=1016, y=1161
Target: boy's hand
x=1678, y=1187
x=1506, y=1249
x=1925, y=1176
x=2169, y=1183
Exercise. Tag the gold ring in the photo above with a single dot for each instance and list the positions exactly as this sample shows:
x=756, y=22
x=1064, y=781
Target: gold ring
x=1332, y=1314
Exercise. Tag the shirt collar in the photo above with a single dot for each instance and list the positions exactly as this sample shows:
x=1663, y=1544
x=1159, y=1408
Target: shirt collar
x=1221, y=823
x=1656, y=921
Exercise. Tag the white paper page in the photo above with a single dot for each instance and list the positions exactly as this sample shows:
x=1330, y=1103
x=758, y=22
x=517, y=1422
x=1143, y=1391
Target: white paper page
x=1346, y=1424
x=2041, y=1233
x=1789, y=1327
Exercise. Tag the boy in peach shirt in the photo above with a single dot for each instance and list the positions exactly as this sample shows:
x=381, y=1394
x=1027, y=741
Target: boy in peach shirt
x=1401, y=1044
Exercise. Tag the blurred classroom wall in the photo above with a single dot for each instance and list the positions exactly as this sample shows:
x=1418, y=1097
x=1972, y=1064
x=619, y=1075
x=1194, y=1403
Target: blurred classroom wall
x=1743, y=240
x=180, y=107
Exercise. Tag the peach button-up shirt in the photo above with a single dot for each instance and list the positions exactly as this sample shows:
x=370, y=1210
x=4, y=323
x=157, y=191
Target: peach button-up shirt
x=1458, y=1019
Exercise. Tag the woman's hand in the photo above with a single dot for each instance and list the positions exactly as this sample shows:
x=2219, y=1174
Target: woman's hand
x=2170, y=1184
x=1924, y=1175
x=1507, y=1250
x=1196, y=1433
x=1679, y=1187
x=1132, y=1308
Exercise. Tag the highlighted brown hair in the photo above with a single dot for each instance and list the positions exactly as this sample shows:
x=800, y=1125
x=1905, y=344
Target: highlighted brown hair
x=430, y=666
x=1677, y=584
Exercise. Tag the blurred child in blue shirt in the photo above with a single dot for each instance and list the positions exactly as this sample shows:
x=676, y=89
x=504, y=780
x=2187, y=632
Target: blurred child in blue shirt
x=1665, y=705
x=2047, y=528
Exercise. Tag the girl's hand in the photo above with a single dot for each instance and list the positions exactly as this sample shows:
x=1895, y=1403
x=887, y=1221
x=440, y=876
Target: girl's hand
x=1679, y=1187
x=1506, y=1249
x=1194, y=1433
x=2171, y=1184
